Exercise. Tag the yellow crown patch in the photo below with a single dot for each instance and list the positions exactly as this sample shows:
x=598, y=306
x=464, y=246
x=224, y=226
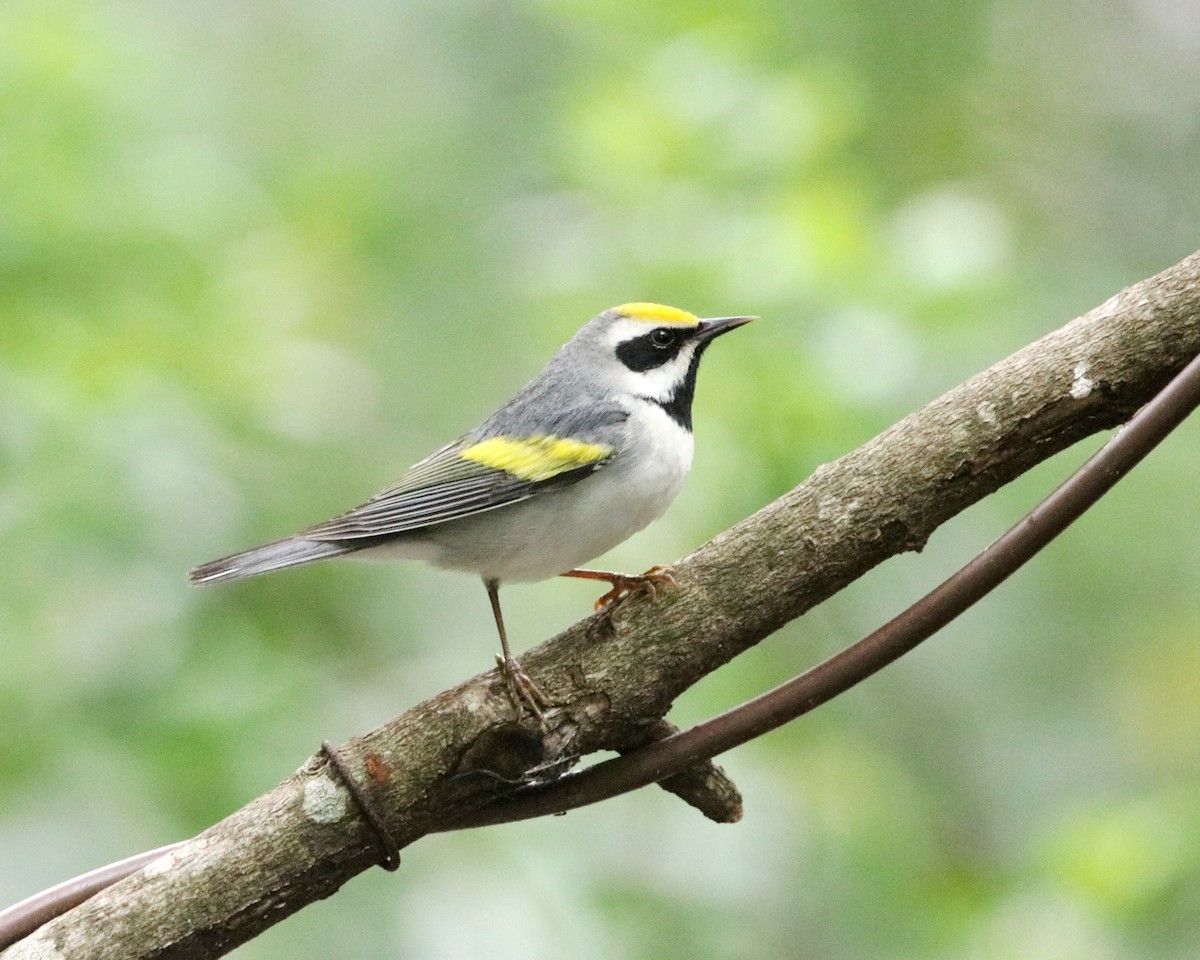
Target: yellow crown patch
x=535, y=458
x=657, y=313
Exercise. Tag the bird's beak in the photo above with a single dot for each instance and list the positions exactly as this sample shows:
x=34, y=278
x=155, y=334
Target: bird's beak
x=715, y=326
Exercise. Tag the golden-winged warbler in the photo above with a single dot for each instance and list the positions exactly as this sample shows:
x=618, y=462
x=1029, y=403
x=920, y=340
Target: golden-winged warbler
x=595, y=447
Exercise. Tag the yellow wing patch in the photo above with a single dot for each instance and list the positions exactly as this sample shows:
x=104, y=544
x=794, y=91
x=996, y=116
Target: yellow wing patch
x=535, y=458
x=657, y=313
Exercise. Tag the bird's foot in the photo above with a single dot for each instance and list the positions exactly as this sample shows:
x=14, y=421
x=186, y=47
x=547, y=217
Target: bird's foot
x=627, y=586
x=522, y=691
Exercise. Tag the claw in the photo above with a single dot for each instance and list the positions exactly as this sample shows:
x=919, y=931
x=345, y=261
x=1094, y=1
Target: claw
x=626, y=587
x=522, y=691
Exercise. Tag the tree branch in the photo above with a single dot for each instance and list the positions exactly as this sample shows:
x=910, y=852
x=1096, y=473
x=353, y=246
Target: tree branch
x=800, y=695
x=615, y=680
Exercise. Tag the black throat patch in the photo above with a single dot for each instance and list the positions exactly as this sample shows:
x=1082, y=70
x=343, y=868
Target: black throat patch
x=678, y=405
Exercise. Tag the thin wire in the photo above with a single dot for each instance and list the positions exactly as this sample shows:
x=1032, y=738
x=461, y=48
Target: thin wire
x=21, y=919
x=389, y=849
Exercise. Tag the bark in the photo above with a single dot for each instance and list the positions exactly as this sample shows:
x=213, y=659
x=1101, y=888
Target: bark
x=612, y=680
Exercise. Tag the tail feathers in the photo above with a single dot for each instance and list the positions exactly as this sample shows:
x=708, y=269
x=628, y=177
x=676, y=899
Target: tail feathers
x=289, y=552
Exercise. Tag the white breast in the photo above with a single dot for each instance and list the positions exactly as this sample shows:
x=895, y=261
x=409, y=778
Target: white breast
x=561, y=529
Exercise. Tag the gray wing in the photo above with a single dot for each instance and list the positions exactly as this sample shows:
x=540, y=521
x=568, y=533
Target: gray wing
x=470, y=476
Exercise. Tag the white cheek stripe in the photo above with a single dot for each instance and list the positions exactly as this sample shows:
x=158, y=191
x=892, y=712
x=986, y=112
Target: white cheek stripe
x=660, y=383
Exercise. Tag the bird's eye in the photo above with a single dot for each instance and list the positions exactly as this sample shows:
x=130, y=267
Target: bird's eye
x=662, y=337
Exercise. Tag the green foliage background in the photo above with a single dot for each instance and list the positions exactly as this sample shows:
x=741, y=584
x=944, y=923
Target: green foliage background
x=257, y=258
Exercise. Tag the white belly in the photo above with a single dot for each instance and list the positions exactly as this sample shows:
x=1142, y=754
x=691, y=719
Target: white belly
x=560, y=529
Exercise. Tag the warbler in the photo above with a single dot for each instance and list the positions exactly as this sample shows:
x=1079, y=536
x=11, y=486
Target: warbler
x=590, y=451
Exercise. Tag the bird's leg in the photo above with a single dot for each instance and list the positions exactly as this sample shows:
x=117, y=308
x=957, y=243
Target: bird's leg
x=521, y=690
x=627, y=585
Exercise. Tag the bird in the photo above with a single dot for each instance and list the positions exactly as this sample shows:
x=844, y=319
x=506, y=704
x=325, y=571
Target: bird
x=590, y=451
